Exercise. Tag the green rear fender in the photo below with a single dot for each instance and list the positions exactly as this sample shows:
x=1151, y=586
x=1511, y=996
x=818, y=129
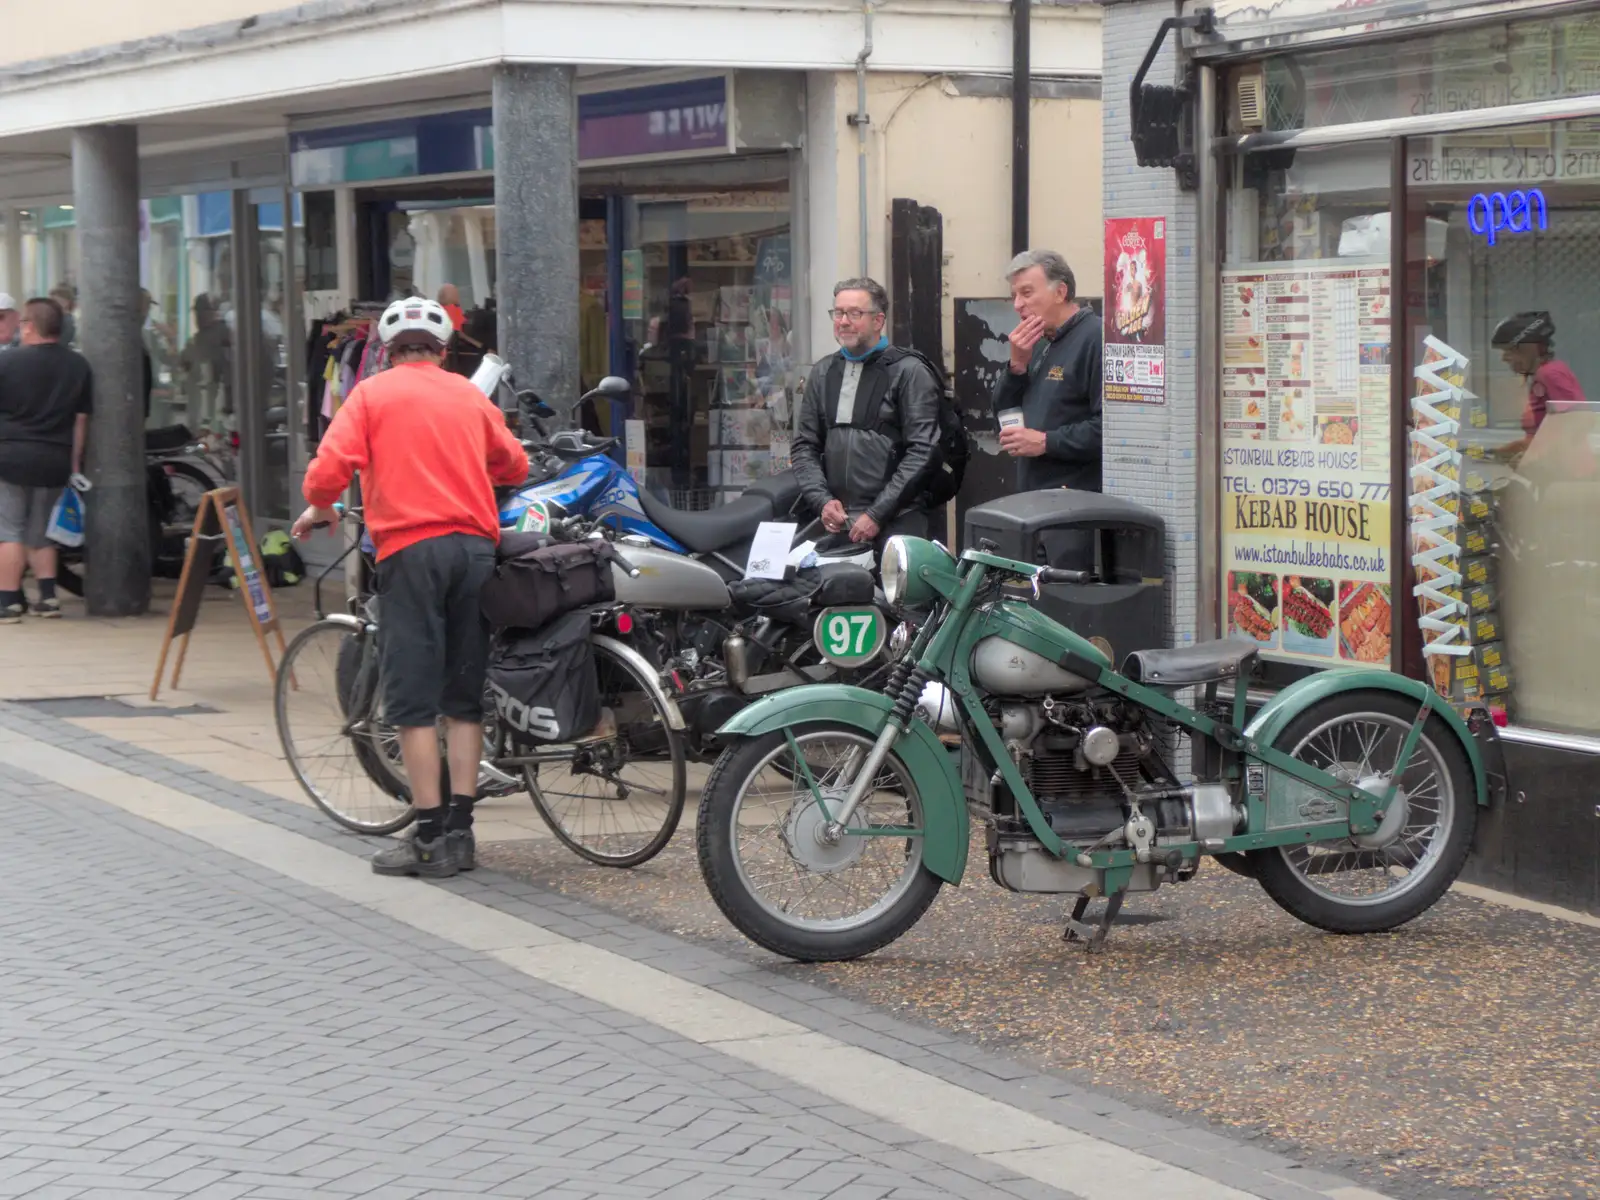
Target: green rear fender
x=944, y=804
x=1296, y=698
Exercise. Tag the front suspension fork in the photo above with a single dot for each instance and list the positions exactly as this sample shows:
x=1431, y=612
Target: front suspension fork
x=900, y=717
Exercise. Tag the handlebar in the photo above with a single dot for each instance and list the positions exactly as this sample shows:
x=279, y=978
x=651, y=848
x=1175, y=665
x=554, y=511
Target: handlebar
x=1062, y=575
x=347, y=514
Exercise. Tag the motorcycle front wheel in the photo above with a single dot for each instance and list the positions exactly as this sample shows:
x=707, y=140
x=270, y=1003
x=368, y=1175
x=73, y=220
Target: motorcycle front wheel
x=772, y=872
x=1376, y=882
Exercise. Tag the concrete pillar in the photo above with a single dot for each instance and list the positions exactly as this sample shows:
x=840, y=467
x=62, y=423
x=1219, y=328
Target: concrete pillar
x=536, y=229
x=105, y=185
x=1151, y=451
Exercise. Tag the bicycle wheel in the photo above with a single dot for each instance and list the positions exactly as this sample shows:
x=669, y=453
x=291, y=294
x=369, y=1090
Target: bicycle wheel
x=326, y=708
x=618, y=799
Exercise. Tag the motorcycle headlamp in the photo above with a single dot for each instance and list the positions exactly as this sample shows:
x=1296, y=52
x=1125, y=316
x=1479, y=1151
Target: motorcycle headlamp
x=905, y=581
x=894, y=570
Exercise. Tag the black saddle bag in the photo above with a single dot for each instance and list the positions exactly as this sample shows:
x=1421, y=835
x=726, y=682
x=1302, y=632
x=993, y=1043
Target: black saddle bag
x=537, y=580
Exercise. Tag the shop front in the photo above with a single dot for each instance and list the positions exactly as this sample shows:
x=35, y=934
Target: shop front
x=216, y=328
x=1398, y=369
x=685, y=241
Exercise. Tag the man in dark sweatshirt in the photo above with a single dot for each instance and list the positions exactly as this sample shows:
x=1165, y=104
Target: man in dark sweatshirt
x=1053, y=378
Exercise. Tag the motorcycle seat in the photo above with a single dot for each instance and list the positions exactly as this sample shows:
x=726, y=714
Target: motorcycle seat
x=711, y=529
x=845, y=583
x=1202, y=663
x=166, y=438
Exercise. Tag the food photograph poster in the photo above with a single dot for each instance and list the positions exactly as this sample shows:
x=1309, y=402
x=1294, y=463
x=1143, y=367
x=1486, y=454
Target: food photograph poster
x=1135, y=354
x=1306, y=545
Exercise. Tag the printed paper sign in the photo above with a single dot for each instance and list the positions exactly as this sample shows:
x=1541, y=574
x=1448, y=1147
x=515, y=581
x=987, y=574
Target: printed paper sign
x=1135, y=355
x=635, y=440
x=1306, y=532
x=769, y=553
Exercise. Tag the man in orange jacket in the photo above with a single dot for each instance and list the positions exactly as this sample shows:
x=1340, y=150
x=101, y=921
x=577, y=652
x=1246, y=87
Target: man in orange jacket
x=430, y=448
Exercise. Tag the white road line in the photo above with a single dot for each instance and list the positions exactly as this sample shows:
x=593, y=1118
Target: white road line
x=944, y=1112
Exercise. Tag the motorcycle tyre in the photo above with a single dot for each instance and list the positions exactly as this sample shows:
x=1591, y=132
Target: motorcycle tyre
x=183, y=514
x=721, y=873
x=1239, y=864
x=1291, y=893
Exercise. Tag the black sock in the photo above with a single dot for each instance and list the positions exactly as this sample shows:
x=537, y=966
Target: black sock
x=7, y=599
x=459, y=816
x=47, y=589
x=430, y=824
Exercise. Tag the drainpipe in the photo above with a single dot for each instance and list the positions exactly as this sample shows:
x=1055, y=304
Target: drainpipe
x=861, y=119
x=1021, y=92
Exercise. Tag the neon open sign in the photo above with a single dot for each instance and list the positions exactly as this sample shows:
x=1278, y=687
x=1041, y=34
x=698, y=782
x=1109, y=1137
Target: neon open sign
x=1491, y=214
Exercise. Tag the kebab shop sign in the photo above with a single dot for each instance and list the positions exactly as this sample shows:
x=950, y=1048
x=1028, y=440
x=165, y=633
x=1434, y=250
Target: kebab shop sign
x=1306, y=546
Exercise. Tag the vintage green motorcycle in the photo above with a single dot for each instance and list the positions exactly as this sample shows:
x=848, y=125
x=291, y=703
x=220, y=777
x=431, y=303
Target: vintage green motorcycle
x=835, y=813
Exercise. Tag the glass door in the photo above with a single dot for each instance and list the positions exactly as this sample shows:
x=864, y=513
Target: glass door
x=261, y=358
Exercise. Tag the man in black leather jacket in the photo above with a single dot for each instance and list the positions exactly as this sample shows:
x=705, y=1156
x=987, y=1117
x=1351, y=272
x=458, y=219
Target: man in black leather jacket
x=869, y=425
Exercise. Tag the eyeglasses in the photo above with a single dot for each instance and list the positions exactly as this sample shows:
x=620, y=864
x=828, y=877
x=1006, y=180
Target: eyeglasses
x=853, y=314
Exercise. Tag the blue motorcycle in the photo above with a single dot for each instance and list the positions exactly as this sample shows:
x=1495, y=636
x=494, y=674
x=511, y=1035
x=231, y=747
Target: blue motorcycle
x=573, y=474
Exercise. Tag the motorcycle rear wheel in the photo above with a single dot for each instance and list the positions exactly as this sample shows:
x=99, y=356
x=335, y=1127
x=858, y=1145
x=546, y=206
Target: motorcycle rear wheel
x=770, y=875
x=1344, y=887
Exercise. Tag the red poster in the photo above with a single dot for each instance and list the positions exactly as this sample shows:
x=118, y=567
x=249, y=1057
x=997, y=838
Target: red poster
x=1136, y=310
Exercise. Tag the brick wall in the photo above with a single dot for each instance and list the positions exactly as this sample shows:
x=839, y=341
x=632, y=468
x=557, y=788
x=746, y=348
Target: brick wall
x=1150, y=451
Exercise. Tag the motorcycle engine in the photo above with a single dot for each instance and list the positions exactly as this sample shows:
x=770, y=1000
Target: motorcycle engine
x=1089, y=764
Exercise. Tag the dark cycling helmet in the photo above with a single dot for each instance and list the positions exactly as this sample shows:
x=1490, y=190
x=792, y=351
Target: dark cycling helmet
x=1524, y=327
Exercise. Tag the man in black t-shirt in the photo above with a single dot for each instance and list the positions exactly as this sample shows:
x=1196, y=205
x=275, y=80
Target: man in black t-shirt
x=46, y=394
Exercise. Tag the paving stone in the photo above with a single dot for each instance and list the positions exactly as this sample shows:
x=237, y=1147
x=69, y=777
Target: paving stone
x=267, y=1040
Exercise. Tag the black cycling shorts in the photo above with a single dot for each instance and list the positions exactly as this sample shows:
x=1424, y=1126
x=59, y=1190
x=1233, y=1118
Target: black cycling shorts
x=433, y=642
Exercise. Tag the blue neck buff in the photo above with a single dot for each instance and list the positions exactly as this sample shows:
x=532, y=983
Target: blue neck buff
x=883, y=344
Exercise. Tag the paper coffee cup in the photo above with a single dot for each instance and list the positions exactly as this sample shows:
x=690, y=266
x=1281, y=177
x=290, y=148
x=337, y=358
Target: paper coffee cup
x=1010, y=418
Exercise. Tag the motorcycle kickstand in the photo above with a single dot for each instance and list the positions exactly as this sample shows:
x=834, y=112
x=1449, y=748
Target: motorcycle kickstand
x=1093, y=936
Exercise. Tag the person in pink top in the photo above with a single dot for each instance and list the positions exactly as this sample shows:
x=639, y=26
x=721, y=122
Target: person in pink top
x=1526, y=342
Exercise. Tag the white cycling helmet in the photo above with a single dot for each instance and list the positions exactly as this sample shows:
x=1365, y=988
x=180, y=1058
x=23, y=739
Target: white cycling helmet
x=415, y=322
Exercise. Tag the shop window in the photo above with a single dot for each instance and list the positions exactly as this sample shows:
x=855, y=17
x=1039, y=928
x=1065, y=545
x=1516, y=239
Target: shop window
x=1307, y=571
x=1505, y=488
x=708, y=305
x=1458, y=70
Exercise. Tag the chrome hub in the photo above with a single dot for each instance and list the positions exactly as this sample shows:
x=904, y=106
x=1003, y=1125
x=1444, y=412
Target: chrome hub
x=1391, y=820
x=816, y=843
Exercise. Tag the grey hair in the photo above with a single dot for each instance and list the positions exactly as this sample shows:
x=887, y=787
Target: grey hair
x=880, y=298
x=1054, y=266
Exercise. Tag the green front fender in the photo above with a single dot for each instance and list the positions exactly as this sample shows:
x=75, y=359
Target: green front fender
x=1288, y=704
x=944, y=803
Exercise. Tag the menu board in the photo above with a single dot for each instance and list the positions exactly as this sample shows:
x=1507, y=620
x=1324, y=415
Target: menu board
x=1306, y=427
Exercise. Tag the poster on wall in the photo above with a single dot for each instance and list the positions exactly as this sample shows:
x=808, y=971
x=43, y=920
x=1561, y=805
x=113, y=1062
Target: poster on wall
x=1307, y=570
x=633, y=285
x=1135, y=357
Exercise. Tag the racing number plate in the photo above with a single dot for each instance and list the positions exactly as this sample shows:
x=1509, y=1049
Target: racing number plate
x=850, y=637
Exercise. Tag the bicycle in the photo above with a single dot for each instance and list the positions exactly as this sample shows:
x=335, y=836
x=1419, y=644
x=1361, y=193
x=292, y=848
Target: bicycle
x=617, y=804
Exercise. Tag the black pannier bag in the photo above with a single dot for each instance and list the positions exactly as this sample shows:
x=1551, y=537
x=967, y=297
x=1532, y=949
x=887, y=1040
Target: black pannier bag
x=543, y=681
x=537, y=580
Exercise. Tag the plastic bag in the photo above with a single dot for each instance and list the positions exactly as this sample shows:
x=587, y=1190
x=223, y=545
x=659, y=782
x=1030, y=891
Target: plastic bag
x=66, y=520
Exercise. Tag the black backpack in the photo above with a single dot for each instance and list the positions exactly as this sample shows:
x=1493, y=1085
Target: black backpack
x=949, y=468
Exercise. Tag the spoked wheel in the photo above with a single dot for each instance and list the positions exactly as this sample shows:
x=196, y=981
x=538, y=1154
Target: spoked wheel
x=618, y=800
x=771, y=866
x=347, y=761
x=1372, y=882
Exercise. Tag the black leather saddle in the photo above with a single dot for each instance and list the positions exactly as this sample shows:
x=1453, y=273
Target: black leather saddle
x=1206, y=662
x=709, y=529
